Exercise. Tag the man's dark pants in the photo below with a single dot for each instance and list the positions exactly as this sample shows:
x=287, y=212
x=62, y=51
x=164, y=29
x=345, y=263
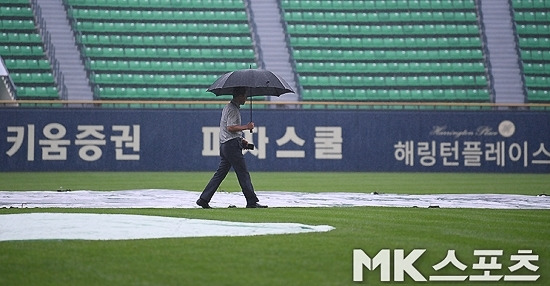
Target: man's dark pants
x=231, y=156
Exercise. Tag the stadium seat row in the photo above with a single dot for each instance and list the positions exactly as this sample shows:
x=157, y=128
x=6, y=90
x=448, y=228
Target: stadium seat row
x=405, y=81
x=27, y=64
x=153, y=79
x=161, y=27
x=465, y=55
x=160, y=15
x=165, y=66
x=530, y=16
x=17, y=25
x=15, y=11
x=164, y=40
x=44, y=77
x=174, y=53
x=151, y=92
x=378, y=17
x=535, y=55
x=19, y=51
x=392, y=67
x=14, y=2
x=378, y=4
x=537, y=81
x=535, y=29
x=462, y=94
x=169, y=4
x=376, y=29
x=33, y=91
x=530, y=4
x=536, y=68
x=20, y=38
x=385, y=42
x=534, y=42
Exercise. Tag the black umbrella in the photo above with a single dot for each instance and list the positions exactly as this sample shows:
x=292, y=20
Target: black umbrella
x=256, y=81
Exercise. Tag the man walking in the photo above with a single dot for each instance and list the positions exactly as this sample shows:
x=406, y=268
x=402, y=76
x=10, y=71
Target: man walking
x=231, y=145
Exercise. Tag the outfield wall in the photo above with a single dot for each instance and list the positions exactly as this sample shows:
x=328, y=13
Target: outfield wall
x=286, y=140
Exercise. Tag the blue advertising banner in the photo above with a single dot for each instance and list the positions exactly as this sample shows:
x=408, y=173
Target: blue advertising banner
x=285, y=140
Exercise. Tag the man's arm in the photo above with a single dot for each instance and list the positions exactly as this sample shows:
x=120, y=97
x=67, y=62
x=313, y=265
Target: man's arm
x=239, y=128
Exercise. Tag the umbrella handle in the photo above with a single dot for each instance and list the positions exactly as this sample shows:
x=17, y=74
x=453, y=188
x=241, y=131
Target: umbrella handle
x=251, y=113
x=251, y=107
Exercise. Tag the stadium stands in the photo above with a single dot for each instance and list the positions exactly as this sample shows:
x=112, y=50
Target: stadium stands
x=533, y=29
x=387, y=50
x=162, y=49
x=366, y=50
x=22, y=50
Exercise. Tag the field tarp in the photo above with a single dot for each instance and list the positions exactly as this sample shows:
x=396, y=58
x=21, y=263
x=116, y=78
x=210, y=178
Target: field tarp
x=33, y=226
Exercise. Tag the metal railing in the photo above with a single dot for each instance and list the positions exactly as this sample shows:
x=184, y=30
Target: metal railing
x=305, y=105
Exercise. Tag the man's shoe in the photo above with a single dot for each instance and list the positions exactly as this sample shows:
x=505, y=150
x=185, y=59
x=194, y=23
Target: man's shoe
x=255, y=206
x=203, y=204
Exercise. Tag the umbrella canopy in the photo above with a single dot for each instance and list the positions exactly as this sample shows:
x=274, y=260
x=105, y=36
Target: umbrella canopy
x=257, y=82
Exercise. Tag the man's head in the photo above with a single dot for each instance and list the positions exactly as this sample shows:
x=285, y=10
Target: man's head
x=239, y=95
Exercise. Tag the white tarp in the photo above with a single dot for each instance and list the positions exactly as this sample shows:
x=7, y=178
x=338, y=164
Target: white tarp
x=105, y=226
x=186, y=199
x=34, y=226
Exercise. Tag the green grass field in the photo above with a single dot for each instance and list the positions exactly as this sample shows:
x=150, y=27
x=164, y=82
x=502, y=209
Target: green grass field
x=398, y=183
x=298, y=259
